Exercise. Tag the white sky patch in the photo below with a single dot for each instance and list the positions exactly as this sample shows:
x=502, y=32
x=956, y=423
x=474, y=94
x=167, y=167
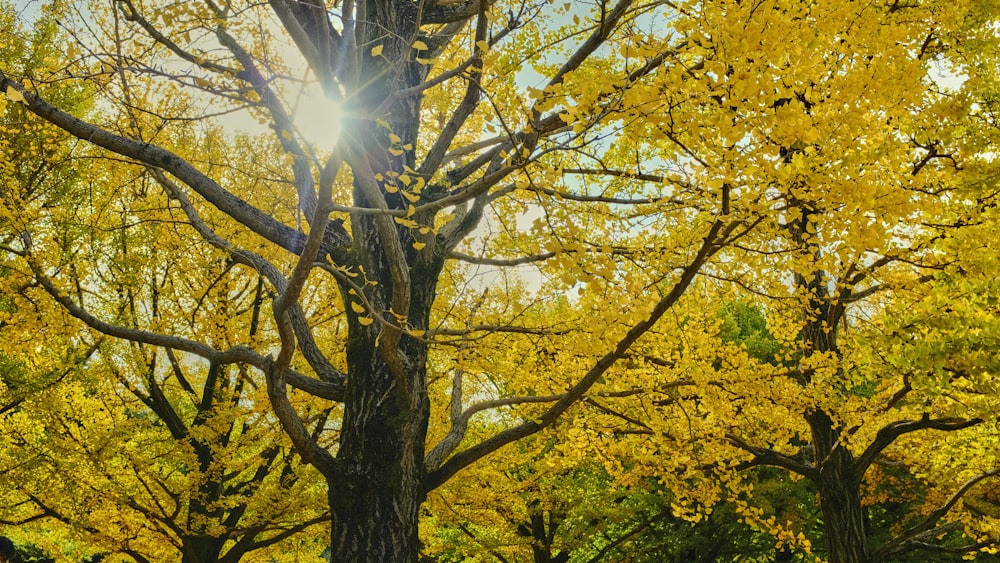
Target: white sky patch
x=317, y=117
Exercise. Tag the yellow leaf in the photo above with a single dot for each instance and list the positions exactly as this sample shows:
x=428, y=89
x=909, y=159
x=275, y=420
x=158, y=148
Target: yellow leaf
x=376, y=50
x=420, y=45
x=357, y=307
x=395, y=152
x=394, y=138
x=365, y=321
x=381, y=122
x=405, y=179
x=14, y=94
x=423, y=61
x=419, y=245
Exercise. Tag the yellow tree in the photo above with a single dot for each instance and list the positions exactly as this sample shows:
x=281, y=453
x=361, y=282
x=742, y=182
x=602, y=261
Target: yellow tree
x=640, y=139
x=415, y=85
x=117, y=446
x=868, y=133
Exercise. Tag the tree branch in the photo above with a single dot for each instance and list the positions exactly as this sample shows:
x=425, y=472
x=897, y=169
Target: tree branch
x=254, y=219
x=890, y=432
x=909, y=539
x=767, y=456
x=708, y=247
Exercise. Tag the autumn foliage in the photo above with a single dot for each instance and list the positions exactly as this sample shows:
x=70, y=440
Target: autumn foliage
x=509, y=280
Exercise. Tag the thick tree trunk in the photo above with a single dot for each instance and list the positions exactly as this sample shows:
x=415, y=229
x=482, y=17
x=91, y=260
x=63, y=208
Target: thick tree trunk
x=201, y=549
x=375, y=499
x=843, y=520
x=839, y=495
x=376, y=492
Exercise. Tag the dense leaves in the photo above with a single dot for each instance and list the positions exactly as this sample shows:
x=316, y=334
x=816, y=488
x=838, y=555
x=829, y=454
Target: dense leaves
x=558, y=280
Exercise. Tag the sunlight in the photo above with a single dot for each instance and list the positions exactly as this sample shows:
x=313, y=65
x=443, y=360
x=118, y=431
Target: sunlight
x=318, y=118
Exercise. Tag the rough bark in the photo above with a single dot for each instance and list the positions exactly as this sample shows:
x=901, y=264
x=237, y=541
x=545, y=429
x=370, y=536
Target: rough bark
x=376, y=493
x=839, y=488
x=201, y=549
x=376, y=497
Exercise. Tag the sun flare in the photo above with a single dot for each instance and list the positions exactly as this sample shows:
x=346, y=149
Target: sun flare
x=319, y=119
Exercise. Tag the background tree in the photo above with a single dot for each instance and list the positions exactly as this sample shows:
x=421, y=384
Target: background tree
x=869, y=195
x=130, y=449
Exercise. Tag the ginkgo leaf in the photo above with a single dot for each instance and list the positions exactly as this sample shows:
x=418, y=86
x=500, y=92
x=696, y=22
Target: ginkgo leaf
x=357, y=307
x=365, y=321
x=14, y=94
x=420, y=45
x=377, y=50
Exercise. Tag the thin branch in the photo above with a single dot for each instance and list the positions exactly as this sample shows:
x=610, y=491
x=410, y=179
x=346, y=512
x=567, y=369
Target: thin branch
x=459, y=426
x=494, y=328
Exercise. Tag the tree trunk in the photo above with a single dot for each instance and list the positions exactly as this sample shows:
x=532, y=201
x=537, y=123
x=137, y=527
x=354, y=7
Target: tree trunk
x=839, y=494
x=843, y=520
x=201, y=549
x=375, y=499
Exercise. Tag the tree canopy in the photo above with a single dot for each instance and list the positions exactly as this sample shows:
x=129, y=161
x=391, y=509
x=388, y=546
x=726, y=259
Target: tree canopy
x=725, y=253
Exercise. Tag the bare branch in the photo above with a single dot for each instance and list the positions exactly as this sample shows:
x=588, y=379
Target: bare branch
x=460, y=424
x=308, y=24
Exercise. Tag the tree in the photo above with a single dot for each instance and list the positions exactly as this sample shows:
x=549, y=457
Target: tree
x=865, y=225
x=409, y=191
x=548, y=503
x=121, y=447
x=121, y=462
x=646, y=138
